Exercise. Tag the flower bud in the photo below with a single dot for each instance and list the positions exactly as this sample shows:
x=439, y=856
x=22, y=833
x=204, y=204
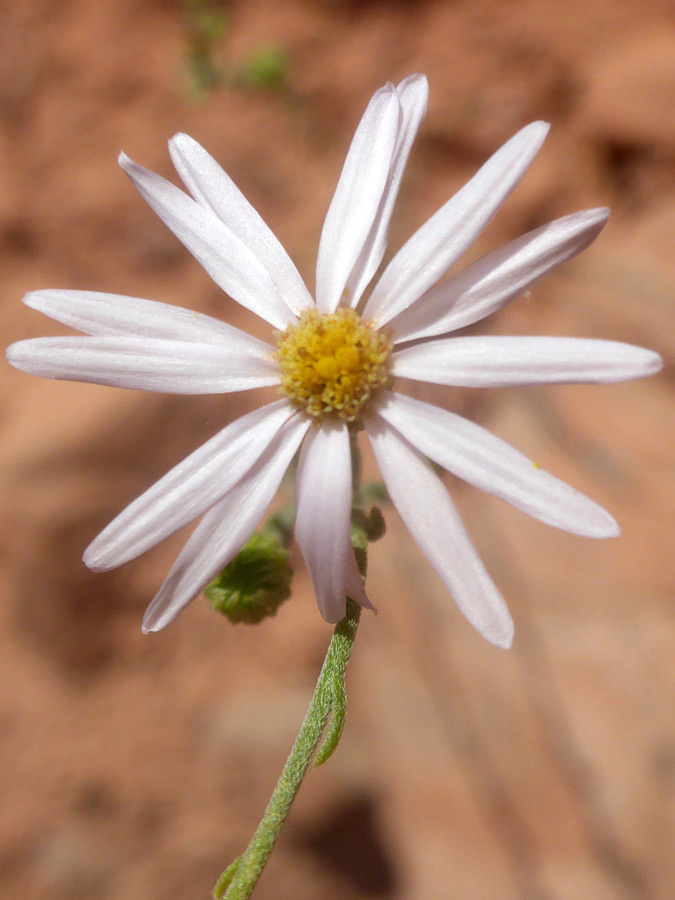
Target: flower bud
x=255, y=583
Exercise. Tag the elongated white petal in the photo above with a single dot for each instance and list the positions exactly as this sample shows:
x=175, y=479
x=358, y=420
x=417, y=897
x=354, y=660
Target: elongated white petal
x=172, y=367
x=437, y=244
x=427, y=510
x=231, y=264
x=356, y=202
x=225, y=528
x=502, y=361
x=323, y=500
x=413, y=95
x=107, y=315
x=498, y=278
x=472, y=453
x=210, y=185
x=189, y=489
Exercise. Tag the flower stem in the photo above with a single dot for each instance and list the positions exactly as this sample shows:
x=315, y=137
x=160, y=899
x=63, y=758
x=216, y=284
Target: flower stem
x=239, y=879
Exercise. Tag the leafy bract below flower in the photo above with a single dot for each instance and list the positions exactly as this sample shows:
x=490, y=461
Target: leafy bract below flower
x=335, y=360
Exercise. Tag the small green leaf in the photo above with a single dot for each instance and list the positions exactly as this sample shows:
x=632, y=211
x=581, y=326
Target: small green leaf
x=225, y=879
x=338, y=713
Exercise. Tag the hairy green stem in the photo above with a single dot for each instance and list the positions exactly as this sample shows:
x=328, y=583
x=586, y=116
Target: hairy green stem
x=239, y=879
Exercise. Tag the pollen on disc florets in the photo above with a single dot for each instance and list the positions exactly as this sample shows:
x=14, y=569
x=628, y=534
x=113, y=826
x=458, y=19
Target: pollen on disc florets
x=333, y=364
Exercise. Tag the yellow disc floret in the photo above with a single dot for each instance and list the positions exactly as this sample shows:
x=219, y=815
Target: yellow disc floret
x=333, y=364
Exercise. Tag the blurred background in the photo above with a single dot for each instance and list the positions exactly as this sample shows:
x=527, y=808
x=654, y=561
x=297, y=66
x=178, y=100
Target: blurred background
x=137, y=767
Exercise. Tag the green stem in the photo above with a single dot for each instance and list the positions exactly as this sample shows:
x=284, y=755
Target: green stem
x=237, y=881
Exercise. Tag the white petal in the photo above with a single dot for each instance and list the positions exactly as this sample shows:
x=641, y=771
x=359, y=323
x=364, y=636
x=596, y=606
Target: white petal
x=190, y=488
x=357, y=198
x=472, y=453
x=502, y=361
x=211, y=186
x=497, y=278
x=172, y=367
x=225, y=528
x=413, y=94
x=425, y=507
x=224, y=256
x=439, y=242
x=323, y=501
x=107, y=315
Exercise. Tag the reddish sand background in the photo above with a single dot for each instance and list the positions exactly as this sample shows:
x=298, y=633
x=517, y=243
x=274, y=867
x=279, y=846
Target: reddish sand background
x=137, y=767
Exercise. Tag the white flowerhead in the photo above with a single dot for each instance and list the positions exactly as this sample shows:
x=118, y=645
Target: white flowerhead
x=335, y=360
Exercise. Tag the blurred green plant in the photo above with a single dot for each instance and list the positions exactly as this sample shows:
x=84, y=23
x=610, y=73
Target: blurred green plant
x=206, y=23
x=265, y=68
x=206, y=67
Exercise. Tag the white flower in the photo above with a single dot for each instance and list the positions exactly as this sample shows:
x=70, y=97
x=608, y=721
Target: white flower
x=335, y=365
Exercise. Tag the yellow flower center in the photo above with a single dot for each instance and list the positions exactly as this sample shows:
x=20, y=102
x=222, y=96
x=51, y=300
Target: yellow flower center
x=333, y=364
